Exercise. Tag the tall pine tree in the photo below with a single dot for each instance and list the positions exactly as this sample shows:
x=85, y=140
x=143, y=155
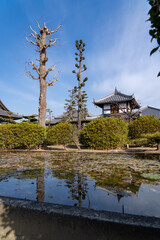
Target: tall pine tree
x=81, y=82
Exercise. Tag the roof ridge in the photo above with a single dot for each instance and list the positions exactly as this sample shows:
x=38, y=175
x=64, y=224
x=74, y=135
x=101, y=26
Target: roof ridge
x=153, y=108
x=124, y=95
x=110, y=95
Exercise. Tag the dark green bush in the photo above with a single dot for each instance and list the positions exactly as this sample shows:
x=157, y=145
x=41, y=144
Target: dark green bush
x=139, y=142
x=21, y=135
x=104, y=133
x=153, y=138
x=143, y=125
x=60, y=133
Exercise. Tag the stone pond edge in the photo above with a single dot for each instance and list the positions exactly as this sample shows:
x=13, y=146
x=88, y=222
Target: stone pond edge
x=95, y=215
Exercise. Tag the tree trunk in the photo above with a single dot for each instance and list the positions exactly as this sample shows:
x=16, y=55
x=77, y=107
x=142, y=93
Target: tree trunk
x=42, y=102
x=43, y=84
x=40, y=189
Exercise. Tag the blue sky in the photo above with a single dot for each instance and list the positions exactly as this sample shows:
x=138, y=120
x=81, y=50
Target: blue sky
x=117, y=51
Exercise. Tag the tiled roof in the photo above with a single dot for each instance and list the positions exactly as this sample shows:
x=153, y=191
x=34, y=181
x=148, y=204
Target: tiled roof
x=10, y=114
x=150, y=111
x=116, y=97
x=4, y=112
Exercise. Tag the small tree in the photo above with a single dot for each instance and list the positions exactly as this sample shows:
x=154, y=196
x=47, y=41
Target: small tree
x=70, y=105
x=81, y=83
x=154, y=18
x=42, y=42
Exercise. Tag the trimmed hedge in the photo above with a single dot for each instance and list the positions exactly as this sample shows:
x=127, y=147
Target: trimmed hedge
x=143, y=125
x=21, y=135
x=104, y=133
x=153, y=137
x=139, y=142
x=61, y=133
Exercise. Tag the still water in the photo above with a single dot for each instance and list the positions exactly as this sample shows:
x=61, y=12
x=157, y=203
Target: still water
x=112, y=182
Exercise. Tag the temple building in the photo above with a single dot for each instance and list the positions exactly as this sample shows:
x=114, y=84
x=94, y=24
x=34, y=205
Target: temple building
x=117, y=104
x=6, y=113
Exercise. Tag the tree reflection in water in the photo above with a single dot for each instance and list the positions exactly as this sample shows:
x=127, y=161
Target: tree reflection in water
x=75, y=180
x=40, y=191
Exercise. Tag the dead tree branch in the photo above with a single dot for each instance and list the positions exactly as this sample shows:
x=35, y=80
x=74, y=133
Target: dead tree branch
x=33, y=31
x=56, y=29
x=53, y=81
x=50, y=69
x=30, y=75
x=52, y=42
x=38, y=25
x=34, y=67
x=30, y=41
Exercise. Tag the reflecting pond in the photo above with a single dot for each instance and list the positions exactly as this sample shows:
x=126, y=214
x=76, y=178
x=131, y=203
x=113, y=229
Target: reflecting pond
x=113, y=182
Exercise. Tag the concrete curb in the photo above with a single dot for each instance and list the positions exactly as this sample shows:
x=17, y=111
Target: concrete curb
x=103, y=216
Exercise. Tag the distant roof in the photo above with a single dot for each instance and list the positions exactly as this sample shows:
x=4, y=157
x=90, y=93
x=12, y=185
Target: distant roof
x=116, y=97
x=88, y=117
x=150, y=111
x=4, y=112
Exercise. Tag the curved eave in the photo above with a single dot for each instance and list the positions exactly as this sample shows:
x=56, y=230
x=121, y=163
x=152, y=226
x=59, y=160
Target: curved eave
x=135, y=104
x=99, y=104
x=3, y=107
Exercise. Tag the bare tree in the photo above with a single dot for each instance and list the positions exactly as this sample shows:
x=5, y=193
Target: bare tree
x=42, y=41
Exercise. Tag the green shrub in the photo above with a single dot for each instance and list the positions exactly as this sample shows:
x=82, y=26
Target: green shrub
x=153, y=137
x=60, y=133
x=143, y=125
x=139, y=142
x=21, y=135
x=104, y=133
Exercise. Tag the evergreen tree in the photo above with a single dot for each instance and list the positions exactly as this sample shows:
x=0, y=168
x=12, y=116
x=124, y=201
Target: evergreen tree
x=81, y=82
x=84, y=105
x=70, y=105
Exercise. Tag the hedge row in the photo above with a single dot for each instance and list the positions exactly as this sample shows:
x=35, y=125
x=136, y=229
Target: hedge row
x=21, y=135
x=102, y=133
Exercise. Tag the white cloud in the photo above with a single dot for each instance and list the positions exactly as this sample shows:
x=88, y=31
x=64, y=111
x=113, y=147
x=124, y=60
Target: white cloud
x=17, y=93
x=127, y=64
